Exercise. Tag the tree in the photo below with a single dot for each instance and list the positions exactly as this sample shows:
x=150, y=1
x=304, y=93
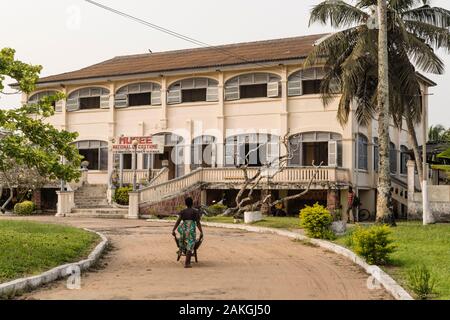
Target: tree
x=438, y=133
x=261, y=178
x=27, y=142
x=351, y=61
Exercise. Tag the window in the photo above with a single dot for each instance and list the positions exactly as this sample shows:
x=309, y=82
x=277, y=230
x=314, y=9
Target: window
x=393, y=158
x=95, y=152
x=202, y=152
x=88, y=98
x=193, y=90
x=128, y=161
x=362, y=145
x=320, y=147
x=253, y=91
x=89, y=103
x=376, y=155
x=139, y=99
x=311, y=86
x=36, y=98
x=252, y=149
x=404, y=158
x=138, y=94
x=253, y=85
x=306, y=81
x=194, y=95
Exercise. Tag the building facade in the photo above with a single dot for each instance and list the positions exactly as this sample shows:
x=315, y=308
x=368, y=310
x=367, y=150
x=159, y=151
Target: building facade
x=214, y=105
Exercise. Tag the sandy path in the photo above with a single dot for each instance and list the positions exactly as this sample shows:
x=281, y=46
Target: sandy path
x=233, y=265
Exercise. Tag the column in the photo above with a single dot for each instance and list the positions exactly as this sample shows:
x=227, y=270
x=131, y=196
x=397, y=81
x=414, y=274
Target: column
x=220, y=123
x=133, y=208
x=411, y=166
x=163, y=121
x=284, y=112
x=64, y=110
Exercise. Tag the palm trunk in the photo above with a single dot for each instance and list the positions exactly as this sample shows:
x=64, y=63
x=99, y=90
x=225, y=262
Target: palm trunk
x=384, y=176
x=415, y=146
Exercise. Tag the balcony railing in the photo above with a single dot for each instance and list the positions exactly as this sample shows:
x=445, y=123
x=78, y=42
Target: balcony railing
x=235, y=176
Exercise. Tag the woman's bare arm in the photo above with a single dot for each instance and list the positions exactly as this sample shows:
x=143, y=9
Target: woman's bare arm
x=176, y=225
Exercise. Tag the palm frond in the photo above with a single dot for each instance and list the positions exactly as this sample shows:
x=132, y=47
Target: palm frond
x=438, y=17
x=338, y=13
x=423, y=55
x=436, y=37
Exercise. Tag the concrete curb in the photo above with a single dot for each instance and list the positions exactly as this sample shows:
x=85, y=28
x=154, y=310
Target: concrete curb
x=12, y=288
x=376, y=273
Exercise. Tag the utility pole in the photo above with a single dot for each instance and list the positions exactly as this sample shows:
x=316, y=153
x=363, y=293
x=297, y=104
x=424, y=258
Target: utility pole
x=384, y=176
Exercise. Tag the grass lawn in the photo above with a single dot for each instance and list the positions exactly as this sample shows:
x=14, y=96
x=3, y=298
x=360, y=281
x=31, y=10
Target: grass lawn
x=29, y=248
x=416, y=245
x=270, y=222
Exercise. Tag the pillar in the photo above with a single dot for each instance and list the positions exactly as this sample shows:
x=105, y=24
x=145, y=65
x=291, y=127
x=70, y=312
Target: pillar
x=332, y=200
x=37, y=199
x=65, y=203
x=133, y=207
x=220, y=123
x=163, y=120
x=284, y=112
x=411, y=166
x=204, y=197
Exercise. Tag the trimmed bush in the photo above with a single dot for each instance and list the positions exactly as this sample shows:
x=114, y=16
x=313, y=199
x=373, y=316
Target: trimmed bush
x=374, y=243
x=216, y=209
x=316, y=220
x=121, y=196
x=421, y=281
x=25, y=208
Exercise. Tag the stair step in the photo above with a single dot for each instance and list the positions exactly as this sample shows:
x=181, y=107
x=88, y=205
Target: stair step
x=100, y=212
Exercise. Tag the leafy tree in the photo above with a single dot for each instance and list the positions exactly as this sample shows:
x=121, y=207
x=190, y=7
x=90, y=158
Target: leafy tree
x=350, y=56
x=27, y=141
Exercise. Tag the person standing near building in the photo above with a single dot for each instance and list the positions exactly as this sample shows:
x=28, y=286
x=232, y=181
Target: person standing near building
x=350, y=205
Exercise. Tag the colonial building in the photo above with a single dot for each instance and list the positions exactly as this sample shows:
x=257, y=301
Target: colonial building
x=213, y=105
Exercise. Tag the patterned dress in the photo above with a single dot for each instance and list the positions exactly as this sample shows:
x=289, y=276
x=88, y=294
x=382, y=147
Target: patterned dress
x=187, y=231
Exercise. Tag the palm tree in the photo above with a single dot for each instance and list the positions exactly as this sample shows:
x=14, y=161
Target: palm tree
x=350, y=57
x=437, y=133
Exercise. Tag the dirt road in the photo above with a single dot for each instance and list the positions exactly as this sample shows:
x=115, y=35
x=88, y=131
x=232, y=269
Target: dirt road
x=233, y=265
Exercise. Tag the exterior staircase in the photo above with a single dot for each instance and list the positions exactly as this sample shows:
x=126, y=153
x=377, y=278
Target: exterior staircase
x=91, y=202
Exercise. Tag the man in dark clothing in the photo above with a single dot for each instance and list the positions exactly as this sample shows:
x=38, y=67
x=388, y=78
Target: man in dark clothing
x=187, y=223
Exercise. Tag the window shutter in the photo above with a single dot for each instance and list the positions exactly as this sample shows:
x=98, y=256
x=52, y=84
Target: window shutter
x=308, y=74
x=73, y=104
x=121, y=100
x=174, y=96
x=104, y=101
x=156, y=98
x=59, y=106
x=332, y=153
x=232, y=93
x=295, y=88
x=273, y=153
x=273, y=89
x=212, y=94
x=229, y=154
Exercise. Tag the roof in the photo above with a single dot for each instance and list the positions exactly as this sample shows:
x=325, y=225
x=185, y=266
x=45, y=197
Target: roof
x=218, y=56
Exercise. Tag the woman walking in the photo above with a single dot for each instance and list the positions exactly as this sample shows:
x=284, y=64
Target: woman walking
x=187, y=224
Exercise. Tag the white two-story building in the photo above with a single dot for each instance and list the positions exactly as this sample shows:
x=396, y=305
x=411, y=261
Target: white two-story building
x=212, y=105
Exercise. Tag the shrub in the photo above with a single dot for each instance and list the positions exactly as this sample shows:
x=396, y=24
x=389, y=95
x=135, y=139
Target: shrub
x=25, y=208
x=216, y=209
x=373, y=244
x=121, y=196
x=316, y=220
x=421, y=281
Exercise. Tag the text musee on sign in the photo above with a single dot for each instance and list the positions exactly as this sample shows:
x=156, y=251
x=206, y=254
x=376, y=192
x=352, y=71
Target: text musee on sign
x=150, y=144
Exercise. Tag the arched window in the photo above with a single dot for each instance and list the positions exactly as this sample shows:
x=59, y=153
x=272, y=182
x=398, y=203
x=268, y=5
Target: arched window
x=88, y=98
x=252, y=149
x=376, y=155
x=35, y=98
x=393, y=158
x=305, y=81
x=405, y=156
x=252, y=85
x=95, y=152
x=138, y=94
x=318, y=147
x=362, y=145
x=193, y=90
x=203, y=152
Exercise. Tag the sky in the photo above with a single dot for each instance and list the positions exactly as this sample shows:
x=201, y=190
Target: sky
x=66, y=35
